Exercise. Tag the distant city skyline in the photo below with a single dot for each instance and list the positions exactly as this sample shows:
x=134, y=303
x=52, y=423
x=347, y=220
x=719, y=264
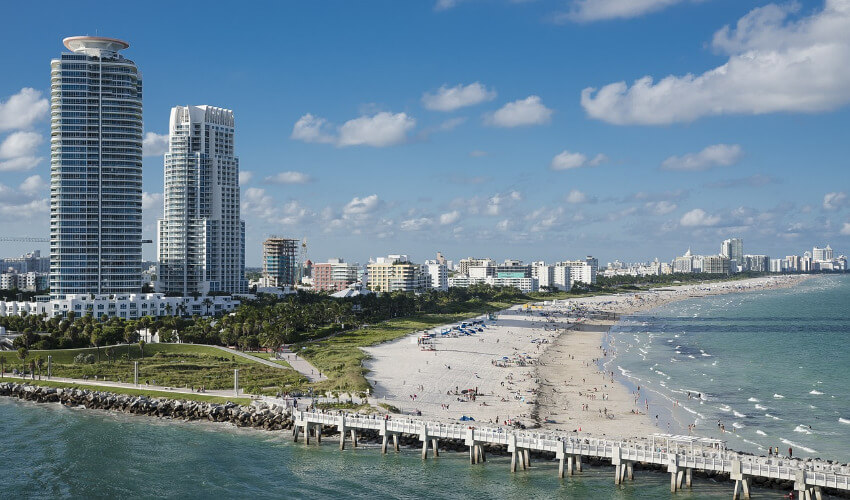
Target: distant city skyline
x=523, y=144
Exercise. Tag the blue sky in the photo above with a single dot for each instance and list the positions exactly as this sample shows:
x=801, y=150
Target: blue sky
x=627, y=129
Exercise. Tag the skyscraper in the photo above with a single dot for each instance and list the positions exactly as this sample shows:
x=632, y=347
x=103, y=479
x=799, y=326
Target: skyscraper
x=95, y=169
x=733, y=249
x=201, y=243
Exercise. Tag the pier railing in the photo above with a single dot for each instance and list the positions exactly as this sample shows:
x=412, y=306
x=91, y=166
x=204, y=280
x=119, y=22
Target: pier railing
x=569, y=448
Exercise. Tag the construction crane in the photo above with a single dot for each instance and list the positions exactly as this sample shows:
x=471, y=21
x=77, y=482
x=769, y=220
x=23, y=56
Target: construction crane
x=30, y=239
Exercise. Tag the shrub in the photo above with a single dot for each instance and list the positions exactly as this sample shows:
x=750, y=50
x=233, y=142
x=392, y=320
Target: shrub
x=84, y=359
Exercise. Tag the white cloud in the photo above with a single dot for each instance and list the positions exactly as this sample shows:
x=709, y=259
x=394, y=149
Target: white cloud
x=566, y=160
x=845, y=229
x=660, y=207
x=256, y=202
x=834, y=201
x=311, y=128
x=245, y=177
x=415, y=224
x=718, y=155
x=379, y=130
x=19, y=164
x=478, y=153
x=449, y=217
x=22, y=109
x=523, y=112
x=452, y=98
x=24, y=210
x=33, y=184
x=599, y=10
x=497, y=203
x=151, y=201
x=445, y=4
x=154, y=144
x=775, y=65
x=698, y=217
x=364, y=205
x=19, y=144
x=575, y=196
x=18, y=151
x=289, y=177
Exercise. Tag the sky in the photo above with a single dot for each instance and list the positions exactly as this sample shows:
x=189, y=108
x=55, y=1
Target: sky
x=535, y=129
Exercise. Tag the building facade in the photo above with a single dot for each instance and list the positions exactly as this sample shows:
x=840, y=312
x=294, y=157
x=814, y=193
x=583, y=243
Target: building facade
x=397, y=273
x=126, y=306
x=280, y=261
x=715, y=264
x=95, y=169
x=733, y=249
x=334, y=275
x=438, y=274
x=201, y=239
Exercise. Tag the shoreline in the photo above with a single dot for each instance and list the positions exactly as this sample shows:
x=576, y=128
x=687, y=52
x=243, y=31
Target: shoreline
x=562, y=352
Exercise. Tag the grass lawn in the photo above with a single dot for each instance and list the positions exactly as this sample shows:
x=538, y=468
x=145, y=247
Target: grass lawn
x=175, y=365
x=134, y=392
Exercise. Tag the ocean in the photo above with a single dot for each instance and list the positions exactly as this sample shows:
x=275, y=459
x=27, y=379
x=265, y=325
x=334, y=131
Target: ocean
x=771, y=367
x=774, y=363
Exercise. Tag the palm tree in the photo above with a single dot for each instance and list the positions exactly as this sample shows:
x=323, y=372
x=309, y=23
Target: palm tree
x=109, y=352
x=23, y=352
x=2, y=365
x=142, y=348
x=94, y=337
x=208, y=303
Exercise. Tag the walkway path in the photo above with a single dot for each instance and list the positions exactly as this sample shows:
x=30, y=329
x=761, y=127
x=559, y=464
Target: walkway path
x=297, y=363
x=302, y=366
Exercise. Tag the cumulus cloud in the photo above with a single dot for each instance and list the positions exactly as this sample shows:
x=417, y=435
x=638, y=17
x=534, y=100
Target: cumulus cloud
x=445, y=4
x=379, y=130
x=699, y=218
x=775, y=65
x=497, y=203
x=245, y=176
x=566, y=160
x=449, y=217
x=289, y=177
x=601, y=10
x=718, y=155
x=660, y=207
x=18, y=151
x=834, y=201
x=256, y=202
x=451, y=98
x=845, y=229
x=364, y=205
x=22, y=109
x=311, y=128
x=575, y=196
x=33, y=184
x=151, y=201
x=520, y=113
x=154, y=144
x=416, y=224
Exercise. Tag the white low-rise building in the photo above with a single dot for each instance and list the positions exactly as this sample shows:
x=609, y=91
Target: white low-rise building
x=126, y=306
x=523, y=284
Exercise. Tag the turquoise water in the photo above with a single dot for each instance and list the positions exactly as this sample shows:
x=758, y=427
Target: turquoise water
x=773, y=367
x=49, y=451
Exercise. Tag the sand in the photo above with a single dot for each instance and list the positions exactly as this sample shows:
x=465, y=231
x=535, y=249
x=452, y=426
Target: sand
x=560, y=387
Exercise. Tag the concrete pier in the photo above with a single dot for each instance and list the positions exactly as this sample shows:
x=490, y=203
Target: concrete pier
x=679, y=454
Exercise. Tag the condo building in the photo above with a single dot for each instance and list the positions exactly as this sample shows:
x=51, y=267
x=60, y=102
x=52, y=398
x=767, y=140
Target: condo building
x=201, y=244
x=95, y=169
x=334, y=275
x=397, y=273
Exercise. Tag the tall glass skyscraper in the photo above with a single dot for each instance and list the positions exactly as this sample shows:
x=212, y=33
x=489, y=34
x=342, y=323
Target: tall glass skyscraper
x=95, y=169
x=201, y=245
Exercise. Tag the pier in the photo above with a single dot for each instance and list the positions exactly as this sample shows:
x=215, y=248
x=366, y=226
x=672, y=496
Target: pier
x=680, y=455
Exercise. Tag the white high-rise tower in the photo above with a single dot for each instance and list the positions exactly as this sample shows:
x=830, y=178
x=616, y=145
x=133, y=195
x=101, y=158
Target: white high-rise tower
x=95, y=169
x=201, y=245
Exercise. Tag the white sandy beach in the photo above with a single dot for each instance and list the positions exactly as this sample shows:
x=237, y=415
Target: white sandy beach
x=559, y=387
